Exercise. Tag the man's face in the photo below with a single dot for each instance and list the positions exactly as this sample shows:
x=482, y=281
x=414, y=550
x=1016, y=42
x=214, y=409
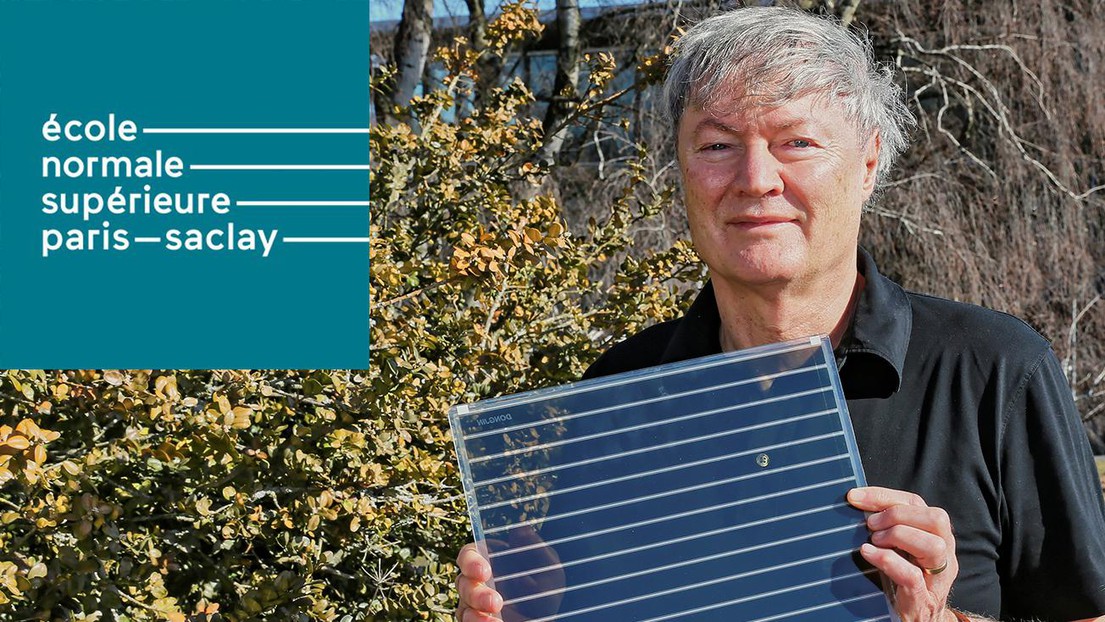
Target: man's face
x=774, y=195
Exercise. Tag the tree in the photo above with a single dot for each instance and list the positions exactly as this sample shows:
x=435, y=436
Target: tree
x=411, y=48
x=565, y=91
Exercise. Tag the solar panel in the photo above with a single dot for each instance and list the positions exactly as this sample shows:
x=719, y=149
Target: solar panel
x=711, y=489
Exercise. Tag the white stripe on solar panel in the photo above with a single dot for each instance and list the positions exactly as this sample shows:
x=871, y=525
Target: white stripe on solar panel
x=697, y=536
x=668, y=493
x=671, y=421
x=651, y=400
x=736, y=601
x=724, y=530
x=836, y=603
x=632, y=452
x=651, y=424
x=643, y=402
x=666, y=469
x=707, y=534
x=670, y=517
x=742, y=575
x=758, y=596
x=487, y=406
x=671, y=407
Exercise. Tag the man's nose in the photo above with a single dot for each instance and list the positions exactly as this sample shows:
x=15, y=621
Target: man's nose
x=758, y=173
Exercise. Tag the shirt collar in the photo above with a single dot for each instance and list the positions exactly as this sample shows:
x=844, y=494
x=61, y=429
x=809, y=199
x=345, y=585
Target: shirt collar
x=879, y=336
x=873, y=352
x=697, y=332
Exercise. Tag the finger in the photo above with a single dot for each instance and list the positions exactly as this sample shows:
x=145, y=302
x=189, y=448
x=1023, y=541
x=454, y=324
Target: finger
x=471, y=615
x=474, y=595
x=877, y=498
x=472, y=564
x=911, y=593
x=474, y=572
x=932, y=520
x=908, y=578
x=928, y=550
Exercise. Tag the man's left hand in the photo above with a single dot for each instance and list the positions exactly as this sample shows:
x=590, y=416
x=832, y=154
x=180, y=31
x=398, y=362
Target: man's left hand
x=912, y=544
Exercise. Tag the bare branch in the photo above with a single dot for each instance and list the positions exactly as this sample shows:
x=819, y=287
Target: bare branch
x=910, y=225
x=992, y=101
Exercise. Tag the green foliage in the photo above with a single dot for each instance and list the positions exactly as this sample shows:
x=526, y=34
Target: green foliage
x=161, y=495
x=333, y=495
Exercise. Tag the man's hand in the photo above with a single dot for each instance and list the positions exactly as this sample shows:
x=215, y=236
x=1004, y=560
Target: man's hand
x=912, y=544
x=478, y=603
x=535, y=591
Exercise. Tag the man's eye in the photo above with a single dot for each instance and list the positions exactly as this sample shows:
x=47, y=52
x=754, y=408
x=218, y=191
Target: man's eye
x=717, y=147
x=800, y=143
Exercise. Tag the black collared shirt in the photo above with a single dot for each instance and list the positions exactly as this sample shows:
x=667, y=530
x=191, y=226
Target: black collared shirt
x=968, y=408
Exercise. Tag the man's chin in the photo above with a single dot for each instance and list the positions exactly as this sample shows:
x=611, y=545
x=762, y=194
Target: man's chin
x=767, y=277
x=766, y=269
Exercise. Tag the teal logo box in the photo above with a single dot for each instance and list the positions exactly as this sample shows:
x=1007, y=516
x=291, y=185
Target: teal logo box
x=184, y=184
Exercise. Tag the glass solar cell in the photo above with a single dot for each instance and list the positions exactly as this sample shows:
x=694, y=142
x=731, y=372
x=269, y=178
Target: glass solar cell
x=711, y=489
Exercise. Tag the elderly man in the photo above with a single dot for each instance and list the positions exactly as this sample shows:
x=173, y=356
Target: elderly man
x=984, y=503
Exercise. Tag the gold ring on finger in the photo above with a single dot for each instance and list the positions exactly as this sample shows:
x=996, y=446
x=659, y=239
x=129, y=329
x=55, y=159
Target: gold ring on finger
x=937, y=570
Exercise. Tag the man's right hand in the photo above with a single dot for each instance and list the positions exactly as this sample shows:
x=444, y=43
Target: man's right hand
x=478, y=603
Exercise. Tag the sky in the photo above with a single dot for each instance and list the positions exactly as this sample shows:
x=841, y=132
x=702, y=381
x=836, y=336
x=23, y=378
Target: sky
x=385, y=10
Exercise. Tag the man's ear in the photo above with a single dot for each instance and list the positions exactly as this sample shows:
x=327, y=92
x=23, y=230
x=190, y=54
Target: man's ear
x=871, y=162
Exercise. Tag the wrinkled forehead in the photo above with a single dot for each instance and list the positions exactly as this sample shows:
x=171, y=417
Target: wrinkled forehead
x=754, y=92
x=743, y=89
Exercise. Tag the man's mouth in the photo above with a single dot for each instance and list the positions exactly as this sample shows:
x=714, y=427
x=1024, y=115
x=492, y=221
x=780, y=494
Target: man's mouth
x=753, y=223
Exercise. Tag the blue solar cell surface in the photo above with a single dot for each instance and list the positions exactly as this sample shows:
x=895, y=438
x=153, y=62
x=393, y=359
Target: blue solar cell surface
x=711, y=489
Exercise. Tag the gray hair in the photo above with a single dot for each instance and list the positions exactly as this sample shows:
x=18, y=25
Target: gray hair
x=773, y=55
